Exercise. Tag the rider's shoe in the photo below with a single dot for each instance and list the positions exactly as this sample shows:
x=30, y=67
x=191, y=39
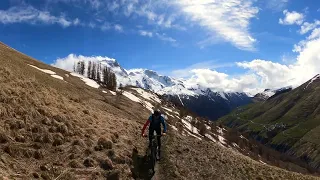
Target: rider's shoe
x=158, y=156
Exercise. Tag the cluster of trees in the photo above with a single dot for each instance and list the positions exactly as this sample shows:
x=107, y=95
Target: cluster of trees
x=103, y=75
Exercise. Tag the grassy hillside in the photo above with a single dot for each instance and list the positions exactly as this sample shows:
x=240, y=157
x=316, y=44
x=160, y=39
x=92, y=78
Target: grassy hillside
x=288, y=122
x=61, y=128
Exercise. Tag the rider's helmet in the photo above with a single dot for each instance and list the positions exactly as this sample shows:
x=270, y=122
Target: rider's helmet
x=157, y=112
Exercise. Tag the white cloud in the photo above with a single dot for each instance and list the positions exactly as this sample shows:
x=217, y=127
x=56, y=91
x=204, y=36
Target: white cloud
x=277, y=5
x=145, y=33
x=292, y=18
x=68, y=62
x=105, y=26
x=186, y=72
x=222, y=82
x=164, y=37
x=306, y=27
x=92, y=25
x=262, y=74
x=118, y=27
x=28, y=14
x=229, y=19
x=161, y=36
x=275, y=75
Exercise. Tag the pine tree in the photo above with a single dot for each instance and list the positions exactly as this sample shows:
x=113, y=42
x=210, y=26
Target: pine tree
x=105, y=76
x=113, y=82
x=82, y=66
x=93, y=71
x=99, y=72
x=89, y=69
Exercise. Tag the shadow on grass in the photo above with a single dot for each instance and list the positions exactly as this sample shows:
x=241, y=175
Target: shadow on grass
x=142, y=166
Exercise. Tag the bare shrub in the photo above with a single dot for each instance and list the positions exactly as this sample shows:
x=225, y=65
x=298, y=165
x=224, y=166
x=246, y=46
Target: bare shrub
x=38, y=154
x=89, y=162
x=79, y=142
x=113, y=175
x=63, y=129
x=104, y=143
x=110, y=153
x=3, y=138
x=106, y=164
x=75, y=164
x=19, y=138
x=58, y=139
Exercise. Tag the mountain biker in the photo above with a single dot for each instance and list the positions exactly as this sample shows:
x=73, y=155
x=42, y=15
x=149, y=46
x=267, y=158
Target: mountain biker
x=155, y=121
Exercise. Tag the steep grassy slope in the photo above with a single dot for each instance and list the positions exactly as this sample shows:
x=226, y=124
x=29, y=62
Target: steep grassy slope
x=61, y=128
x=288, y=122
x=52, y=128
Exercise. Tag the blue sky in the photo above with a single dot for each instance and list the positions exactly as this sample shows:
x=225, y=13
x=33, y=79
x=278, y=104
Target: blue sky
x=239, y=40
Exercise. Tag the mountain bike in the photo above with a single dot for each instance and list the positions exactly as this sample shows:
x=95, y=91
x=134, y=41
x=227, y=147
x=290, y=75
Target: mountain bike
x=154, y=150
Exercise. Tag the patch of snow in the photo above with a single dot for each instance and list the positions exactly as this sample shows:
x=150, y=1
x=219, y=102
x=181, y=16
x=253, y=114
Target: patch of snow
x=112, y=92
x=167, y=109
x=312, y=80
x=105, y=92
x=235, y=145
x=173, y=127
x=262, y=162
x=57, y=76
x=43, y=70
x=53, y=74
x=222, y=140
x=131, y=96
x=176, y=112
x=88, y=81
x=188, y=126
x=193, y=135
x=170, y=115
x=189, y=118
x=147, y=95
x=67, y=75
x=180, y=100
x=269, y=93
x=211, y=138
x=222, y=94
x=242, y=137
x=149, y=106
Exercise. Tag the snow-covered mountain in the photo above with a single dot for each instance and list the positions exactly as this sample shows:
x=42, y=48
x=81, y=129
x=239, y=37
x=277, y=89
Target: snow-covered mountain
x=163, y=85
x=270, y=93
x=201, y=100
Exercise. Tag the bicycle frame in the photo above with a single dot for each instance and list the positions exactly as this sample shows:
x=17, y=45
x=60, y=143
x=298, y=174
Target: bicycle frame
x=154, y=151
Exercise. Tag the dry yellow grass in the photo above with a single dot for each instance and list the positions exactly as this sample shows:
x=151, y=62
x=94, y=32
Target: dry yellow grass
x=51, y=128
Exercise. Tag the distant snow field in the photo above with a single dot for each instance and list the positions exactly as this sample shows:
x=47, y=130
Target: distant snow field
x=88, y=81
x=43, y=70
x=57, y=76
x=131, y=96
x=47, y=71
x=147, y=95
x=312, y=80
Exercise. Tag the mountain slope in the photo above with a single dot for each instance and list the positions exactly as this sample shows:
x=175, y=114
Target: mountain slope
x=58, y=125
x=289, y=122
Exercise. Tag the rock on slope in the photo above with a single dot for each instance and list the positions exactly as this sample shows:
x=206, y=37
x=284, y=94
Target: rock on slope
x=288, y=122
x=55, y=125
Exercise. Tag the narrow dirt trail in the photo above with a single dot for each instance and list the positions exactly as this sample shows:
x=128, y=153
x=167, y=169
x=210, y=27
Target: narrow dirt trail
x=156, y=176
